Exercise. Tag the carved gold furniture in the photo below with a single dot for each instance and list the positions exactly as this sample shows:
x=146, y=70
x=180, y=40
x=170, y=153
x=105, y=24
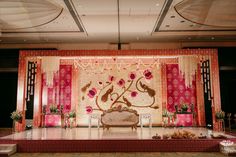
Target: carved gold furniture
x=120, y=117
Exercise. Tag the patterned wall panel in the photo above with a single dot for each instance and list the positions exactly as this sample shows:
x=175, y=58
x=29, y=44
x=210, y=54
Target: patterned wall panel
x=177, y=93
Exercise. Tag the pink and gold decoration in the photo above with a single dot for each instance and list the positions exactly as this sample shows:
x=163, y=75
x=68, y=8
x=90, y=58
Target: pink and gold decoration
x=177, y=92
x=59, y=92
x=145, y=80
x=120, y=82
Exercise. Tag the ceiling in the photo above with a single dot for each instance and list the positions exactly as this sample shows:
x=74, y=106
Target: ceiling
x=116, y=21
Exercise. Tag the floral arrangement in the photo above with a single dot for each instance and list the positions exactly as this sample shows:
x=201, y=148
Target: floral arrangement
x=89, y=109
x=72, y=114
x=220, y=114
x=17, y=116
x=120, y=91
x=184, y=107
x=53, y=108
x=165, y=113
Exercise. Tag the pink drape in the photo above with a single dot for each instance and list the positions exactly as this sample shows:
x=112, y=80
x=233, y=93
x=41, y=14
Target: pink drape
x=177, y=92
x=60, y=93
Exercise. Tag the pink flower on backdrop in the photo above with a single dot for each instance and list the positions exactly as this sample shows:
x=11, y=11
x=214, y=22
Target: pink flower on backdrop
x=67, y=107
x=92, y=92
x=89, y=109
x=111, y=78
x=132, y=75
x=147, y=74
x=121, y=82
x=134, y=94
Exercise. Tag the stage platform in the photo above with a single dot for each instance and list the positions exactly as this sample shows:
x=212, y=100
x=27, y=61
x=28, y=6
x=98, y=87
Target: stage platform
x=117, y=139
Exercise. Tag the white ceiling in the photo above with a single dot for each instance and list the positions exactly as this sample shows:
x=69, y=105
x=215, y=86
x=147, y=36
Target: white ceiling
x=87, y=21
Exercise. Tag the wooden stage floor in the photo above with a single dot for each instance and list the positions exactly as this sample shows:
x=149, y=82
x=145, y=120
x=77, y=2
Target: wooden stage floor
x=117, y=139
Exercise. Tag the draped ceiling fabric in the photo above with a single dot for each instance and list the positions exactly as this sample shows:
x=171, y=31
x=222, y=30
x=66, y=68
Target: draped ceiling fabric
x=71, y=87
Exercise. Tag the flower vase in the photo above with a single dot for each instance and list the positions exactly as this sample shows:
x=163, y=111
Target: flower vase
x=13, y=126
x=221, y=124
x=165, y=121
x=71, y=121
x=184, y=110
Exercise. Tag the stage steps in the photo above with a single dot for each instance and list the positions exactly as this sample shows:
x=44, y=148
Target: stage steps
x=7, y=149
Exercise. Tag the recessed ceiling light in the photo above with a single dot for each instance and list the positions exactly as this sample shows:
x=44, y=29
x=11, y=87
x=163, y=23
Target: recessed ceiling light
x=172, y=16
x=24, y=40
x=182, y=21
x=157, y=4
x=212, y=38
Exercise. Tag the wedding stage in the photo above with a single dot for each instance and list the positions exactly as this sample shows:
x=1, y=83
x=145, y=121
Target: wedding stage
x=123, y=91
x=116, y=139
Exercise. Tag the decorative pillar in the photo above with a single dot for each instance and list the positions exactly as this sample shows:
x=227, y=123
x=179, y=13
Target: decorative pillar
x=37, y=117
x=21, y=90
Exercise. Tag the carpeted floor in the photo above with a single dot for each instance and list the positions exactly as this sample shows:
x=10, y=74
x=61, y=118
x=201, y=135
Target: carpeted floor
x=5, y=131
x=138, y=154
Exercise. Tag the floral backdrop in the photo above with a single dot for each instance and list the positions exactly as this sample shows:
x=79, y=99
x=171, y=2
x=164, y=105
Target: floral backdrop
x=132, y=87
x=40, y=96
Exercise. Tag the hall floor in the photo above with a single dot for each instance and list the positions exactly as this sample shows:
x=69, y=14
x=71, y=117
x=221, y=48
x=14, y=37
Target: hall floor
x=136, y=154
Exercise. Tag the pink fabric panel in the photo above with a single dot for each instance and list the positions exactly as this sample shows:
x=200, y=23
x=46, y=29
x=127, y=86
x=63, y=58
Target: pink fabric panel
x=50, y=95
x=52, y=120
x=65, y=86
x=60, y=92
x=177, y=93
x=184, y=119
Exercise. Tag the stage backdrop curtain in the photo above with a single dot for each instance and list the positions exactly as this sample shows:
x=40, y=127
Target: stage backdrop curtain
x=60, y=92
x=177, y=92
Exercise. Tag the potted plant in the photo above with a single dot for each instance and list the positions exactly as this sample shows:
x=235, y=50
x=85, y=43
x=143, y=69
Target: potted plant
x=70, y=120
x=220, y=115
x=72, y=114
x=165, y=117
x=184, y=107
x=165, y=113
x=53, y=108
x=17, y=116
